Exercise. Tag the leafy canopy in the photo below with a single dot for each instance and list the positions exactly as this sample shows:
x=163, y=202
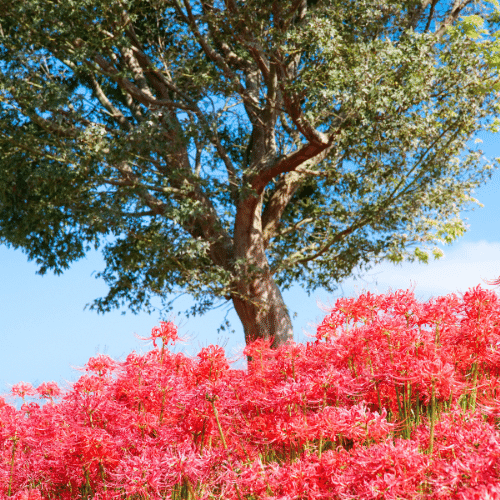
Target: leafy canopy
x=146, y=125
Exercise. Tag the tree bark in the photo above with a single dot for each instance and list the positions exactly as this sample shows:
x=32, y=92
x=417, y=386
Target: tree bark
x=258, y=301
x=265, y=315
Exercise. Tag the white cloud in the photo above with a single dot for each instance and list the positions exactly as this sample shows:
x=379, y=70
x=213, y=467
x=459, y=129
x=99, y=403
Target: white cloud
x=464, y=266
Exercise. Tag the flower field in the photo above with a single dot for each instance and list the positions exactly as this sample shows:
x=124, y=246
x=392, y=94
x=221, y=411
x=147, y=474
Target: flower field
x=395, y=399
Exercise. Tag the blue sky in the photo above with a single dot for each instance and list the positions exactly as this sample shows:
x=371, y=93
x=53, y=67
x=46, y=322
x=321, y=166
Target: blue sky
x=45, y=332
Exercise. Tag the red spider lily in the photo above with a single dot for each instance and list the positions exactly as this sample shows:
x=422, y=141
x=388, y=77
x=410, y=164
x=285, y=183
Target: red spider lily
x=166, y=331
x=260, y=349
x=388, y=470
x=318, y=421
x=467, y=455
x=480, y=303
x=358, y=424
x=48, y=390
x=494, y=282
x=440, y=375
x=101, y=365
x=212, y=364
x=441, y=312
x=23, y=389
x=88, y=384
x=28, y=494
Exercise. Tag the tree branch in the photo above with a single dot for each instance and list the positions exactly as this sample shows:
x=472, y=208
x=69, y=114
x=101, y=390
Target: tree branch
x=417, y=13
x=137, y=214
x=458, y=7
x=36, y=152
x=229, y=54
x=214, y=56
x=290, y=261
x=161, y=84
x=294, y=111
x=296, y=226
x=144, y=98
x=431, y=15
x=45, y=124
x=289, y=163
x=103, y=99
x=157, y=79
x=284, y=192
x=290, y=131
x=129, y=182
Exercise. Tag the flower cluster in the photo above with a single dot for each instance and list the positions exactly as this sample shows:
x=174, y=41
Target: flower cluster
x=395, y=399
x=167, y=332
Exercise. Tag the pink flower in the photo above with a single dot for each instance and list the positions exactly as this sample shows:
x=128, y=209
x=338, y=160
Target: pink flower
x=28, y=495
x=166, y=331
x=213, y=363
x=88, y=384
x=260, y=348
x=2, y=403
x=494, y=282
x=48, y=390
x=439, y=373
x=23, y=389
x=101, y=364
x=316, y=421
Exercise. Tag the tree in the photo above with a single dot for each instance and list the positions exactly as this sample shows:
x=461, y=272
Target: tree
x=234, y=147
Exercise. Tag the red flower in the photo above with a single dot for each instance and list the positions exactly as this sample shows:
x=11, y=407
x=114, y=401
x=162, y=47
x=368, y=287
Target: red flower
x=494, y=282
x=101, y=364
x=48, y=390
x=213, y=362
x=23, y=389
x=166, y=331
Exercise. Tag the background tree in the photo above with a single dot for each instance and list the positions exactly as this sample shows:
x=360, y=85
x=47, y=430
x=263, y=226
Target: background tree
x=235, y=147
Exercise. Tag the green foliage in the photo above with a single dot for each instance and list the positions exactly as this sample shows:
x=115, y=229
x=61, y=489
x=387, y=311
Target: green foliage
x=486, y=39
x=167, y=131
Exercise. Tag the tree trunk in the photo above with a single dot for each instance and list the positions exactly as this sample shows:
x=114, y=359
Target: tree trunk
x=258, y=303
x=265, y=315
